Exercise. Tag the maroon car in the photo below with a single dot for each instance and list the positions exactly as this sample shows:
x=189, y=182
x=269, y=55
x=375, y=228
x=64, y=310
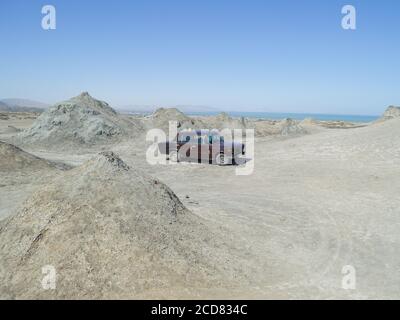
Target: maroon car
x=203, y=146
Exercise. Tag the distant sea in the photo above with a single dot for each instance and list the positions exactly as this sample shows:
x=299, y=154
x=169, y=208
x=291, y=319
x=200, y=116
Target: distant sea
x=295, y=116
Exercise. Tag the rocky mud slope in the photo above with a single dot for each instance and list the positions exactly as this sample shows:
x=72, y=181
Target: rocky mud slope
x=79, y=122
x=391, y=113
x=20, y=174
x=111, y=231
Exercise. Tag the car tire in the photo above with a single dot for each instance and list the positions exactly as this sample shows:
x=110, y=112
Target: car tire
x=220, y=159
x=173, y=156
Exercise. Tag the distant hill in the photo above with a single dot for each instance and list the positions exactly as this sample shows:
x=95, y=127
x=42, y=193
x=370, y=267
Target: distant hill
x=150, y=109
x=22, y=105
x=3, y=106
x=81, y=120
x=391, y=112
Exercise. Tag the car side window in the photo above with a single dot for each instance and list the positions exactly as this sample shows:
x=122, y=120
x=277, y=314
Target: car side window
x=183, y=138
x=215, y=138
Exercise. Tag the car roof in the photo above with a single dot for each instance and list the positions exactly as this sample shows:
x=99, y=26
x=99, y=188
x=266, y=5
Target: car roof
x=198, y=132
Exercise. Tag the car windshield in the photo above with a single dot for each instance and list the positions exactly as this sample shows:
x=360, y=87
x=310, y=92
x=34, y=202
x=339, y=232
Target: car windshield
x=214, y=138
x=204, y=139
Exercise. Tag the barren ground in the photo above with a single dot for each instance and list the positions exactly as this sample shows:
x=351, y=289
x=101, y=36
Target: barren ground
x=313, y=205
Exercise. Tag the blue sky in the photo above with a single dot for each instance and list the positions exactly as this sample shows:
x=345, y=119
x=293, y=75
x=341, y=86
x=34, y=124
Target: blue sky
x=276, y=56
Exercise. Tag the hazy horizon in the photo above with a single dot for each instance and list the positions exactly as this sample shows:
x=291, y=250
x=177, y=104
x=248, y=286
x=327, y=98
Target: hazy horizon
x=189, y=109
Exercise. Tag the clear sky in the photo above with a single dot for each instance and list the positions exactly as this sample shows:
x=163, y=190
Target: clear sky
x=239, y=55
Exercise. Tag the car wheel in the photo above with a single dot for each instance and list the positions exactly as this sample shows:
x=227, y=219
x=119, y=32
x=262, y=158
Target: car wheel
x=220, y=159
x=173, y=156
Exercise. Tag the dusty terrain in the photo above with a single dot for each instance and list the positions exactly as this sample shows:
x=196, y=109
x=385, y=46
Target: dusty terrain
x=322, y=196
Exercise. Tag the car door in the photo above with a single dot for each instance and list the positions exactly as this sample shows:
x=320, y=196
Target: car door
x=216, y=146
x=188, y=147
x=196, y=145
x=205, y=148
